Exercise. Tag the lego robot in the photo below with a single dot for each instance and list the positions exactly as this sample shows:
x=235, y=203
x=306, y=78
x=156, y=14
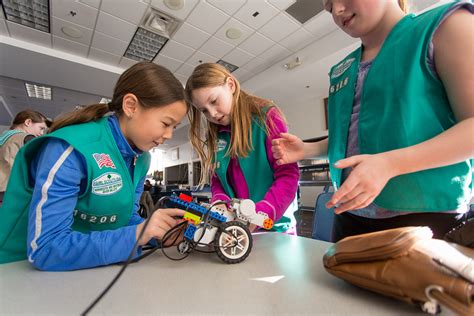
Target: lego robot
x=225, y=230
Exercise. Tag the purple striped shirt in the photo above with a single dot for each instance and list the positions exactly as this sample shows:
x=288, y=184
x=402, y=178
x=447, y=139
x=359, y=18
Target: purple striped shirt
x=285, y=177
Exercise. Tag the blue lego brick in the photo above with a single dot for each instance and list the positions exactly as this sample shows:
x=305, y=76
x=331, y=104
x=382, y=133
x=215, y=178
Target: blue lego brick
x=189, y=233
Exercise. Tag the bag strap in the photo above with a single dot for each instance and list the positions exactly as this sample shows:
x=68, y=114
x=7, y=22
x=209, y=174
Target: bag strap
x=436, y=295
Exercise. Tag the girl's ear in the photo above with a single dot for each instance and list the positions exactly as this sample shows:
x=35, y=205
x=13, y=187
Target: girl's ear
x=28, y=122
x=231, y=84
x=129, y=105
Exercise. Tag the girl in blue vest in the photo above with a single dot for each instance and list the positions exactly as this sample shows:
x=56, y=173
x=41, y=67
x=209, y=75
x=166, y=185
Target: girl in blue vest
x=401, y=118
x=72, y=200
x=237, y=146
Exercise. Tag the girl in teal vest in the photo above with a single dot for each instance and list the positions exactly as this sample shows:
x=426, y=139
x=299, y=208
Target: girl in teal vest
x=236, y=149
x=401, y=118
x=72, y=200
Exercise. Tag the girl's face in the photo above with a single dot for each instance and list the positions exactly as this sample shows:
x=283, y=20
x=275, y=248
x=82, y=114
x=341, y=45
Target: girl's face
x=215, y=102
x=146, y=128
x=36, y=129
x=358, y=18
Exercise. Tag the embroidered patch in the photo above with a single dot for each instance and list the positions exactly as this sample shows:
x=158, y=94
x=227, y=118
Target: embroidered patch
x=103, y=160
x=341, y=68
x=107, y=184
x=338, y=86
x=221, y=145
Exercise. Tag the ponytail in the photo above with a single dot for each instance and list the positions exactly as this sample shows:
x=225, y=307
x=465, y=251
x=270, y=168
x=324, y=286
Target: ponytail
x=84, y=115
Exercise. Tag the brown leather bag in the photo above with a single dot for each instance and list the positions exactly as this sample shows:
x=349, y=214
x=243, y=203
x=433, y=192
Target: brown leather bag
x=409, y=265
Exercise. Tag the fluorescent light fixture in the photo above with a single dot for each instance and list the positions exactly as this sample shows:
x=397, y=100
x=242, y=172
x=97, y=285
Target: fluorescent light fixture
x=104, y=100
x=33, y=13
x=36, y=91
x=145, y=45
x=227, y=65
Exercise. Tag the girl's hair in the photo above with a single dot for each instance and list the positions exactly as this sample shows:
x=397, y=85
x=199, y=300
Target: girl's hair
x=245, y=107
x=152, y=84
x=34, y=116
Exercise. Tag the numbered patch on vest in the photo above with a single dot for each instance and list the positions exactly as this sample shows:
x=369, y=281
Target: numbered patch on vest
x=95, y=219
x=341, y=68
x=338, y=86
x=221, y=144
x=106, y=184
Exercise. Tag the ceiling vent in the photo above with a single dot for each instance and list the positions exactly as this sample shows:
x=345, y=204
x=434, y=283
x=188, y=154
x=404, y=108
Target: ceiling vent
x=33, y=13
x=227, y=65
x=159, y=22
x=304, y=10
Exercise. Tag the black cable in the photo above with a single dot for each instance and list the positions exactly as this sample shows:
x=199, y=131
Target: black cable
x=129, y=259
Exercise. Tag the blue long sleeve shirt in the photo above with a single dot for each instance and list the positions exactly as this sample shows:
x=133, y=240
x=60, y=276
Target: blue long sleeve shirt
x=58, y=247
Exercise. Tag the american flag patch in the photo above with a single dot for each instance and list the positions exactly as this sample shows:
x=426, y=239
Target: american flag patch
x=103, y=160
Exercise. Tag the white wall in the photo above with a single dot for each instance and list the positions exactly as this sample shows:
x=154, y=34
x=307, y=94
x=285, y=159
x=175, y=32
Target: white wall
x=4, y=128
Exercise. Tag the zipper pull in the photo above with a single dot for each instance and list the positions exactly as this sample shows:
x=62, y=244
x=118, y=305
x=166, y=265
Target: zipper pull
x=135, y=160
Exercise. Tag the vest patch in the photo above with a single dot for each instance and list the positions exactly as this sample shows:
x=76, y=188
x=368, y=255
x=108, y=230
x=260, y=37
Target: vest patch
x=103, y=160
x=338, y=86
x=95, y=219
x=342, y=67
x=221, y=144
x=107, y=184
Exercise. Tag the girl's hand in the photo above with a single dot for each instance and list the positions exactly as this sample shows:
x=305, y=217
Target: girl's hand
x=287, y=149
x=369, y=176
x=161, y=221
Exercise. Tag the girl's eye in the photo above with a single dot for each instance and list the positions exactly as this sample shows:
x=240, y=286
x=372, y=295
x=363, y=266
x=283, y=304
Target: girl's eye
x=213, y=101
x=166, y=124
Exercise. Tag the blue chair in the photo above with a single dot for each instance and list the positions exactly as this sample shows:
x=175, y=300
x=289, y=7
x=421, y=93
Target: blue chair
x=323, y=217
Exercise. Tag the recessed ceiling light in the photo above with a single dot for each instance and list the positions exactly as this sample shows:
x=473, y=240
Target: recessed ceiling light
x=37, y=91
x=71, y=31
x=233, y=33
x=34, y=14
x=227, y=65
x=145, y=45
x=174, y=4
x=160, y=23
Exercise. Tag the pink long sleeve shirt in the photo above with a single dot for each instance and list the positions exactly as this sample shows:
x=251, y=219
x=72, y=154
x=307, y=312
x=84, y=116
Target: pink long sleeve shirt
x=285, y=177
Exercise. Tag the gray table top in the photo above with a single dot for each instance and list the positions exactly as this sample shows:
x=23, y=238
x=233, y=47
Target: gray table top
x=200, y=284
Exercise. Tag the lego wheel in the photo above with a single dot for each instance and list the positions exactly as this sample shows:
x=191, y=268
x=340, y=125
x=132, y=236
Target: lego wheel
x=233, y=242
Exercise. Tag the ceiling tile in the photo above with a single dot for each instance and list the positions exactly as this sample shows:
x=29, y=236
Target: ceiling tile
x=200, y=18
x=190, y=35
x=200, y=57
x=115, y=27
x=109, y=44
x=82, y=14
x=100, y=55
x=261, y=9
x=29, y=34
x=128, y=10
x=177, y=51
x=2, y=16
x=242, y=74
x=56, y=29
x=257, y=65
x=216, y=47
x=282, y=4
x=92, y=3
x=185, y=70
x=275, y=53
x=180, y=14
x=279, y=27
x=297, y=40
x=181, y=78
x=127, y=62
x=256, y=44
x=320, y=25
x=168, y=62
x=233, y=23
x=228, y=6
x=71, y=47
x=3, y=28
x=238, y=57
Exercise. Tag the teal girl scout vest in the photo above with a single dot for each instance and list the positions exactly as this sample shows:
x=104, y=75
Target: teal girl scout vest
x=402, y=104
x=255, y=167
x=107, y=202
